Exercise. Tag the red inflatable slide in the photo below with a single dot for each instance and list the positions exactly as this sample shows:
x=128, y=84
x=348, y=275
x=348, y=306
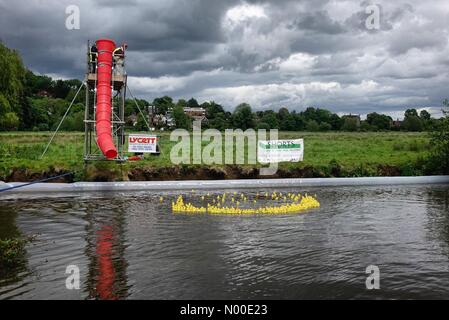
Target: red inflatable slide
x=104, y=92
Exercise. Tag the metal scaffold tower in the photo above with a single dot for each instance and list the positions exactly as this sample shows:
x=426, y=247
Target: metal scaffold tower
x=118, y=96
x=104, y=120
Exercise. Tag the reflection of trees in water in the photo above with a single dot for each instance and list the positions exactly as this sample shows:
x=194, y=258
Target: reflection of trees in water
x=13, y=260
x=438, y=212
x=107, y=278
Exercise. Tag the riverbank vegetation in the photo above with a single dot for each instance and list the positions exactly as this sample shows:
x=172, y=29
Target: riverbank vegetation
x=12, y=254
x=326, y=154
x=439, y=156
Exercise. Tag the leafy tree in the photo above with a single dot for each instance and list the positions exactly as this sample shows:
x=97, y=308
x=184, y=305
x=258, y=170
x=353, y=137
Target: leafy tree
x=73, y=86
x=336, y=122
x=163, y=104
x=300, y=122
x=12, y=77
x=286, y=120
x=412, y=123
x=38, y=114
x=425, y=115
x=263, y=125
x=426, y=119
x=182, y=103
x=410, y=113
x=215, y=115
x=141, y=125
x=9, y=121
x=74, y=121
x=439, y=158
x=242, y=117
x=36, y=83
x=218, y=122
x=379, y=121
x=4, y=105
x=432, y=124
x=213, y=109
x=323, y=115
x=324, y=126
x=270, y=119
x=181, y=119
x=365, y=126
x=312, y=126
x=350, y=124
x=61, y=89
x=50, y=111
x=283, y=114
x=310, y=114
x=130, y=107
x=192, y=103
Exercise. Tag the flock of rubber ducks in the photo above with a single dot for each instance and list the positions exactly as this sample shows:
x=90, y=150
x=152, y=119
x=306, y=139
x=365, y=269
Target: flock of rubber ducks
x=234, y=203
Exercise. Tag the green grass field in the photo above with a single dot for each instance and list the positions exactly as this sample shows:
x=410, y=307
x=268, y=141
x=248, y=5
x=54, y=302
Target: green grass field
x=358, y=153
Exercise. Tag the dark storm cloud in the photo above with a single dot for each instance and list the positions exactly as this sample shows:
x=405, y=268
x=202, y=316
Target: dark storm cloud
x=320, y=22
x=292, y=53
x=177, y=26
x=183, y=31
x=115, y=3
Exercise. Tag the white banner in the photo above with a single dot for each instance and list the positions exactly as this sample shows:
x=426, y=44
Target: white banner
x=142, y=143
x=273, y=151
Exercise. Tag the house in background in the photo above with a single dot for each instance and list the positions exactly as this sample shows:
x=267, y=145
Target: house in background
x=397, y=124
x=131, y=120
x=197, y=114
x=44, y=93
x=169, y=120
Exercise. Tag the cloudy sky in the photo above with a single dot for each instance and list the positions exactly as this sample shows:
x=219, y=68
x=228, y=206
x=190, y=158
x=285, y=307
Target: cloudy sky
x=270, y=54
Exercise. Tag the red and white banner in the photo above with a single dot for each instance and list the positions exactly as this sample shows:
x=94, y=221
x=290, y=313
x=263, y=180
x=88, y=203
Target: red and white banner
x=142, y=143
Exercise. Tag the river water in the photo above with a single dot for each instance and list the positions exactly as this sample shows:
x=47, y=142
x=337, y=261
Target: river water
x=130, y=245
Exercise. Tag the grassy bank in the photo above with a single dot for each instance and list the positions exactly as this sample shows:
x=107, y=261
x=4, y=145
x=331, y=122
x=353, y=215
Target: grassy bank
x=326, y=154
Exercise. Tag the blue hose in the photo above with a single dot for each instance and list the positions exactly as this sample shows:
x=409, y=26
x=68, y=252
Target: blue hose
x=37, y=181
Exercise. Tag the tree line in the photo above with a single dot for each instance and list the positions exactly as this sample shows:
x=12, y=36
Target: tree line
x=312, y=119
x=37, y=102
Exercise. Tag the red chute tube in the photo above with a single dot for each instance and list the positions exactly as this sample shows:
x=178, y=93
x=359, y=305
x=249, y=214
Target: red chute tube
x=104, y=109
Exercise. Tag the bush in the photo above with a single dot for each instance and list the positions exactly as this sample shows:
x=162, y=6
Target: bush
x=334, y=168
x=413, y=123
x=242, y=117
x=263, y=125
x=324, y=126
x=312, y=126
x=350, y=124
x=365, y=127
x=9, y=121
x=438, y=162
x=181, y=119
x=363, y=170
x=11, y=253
